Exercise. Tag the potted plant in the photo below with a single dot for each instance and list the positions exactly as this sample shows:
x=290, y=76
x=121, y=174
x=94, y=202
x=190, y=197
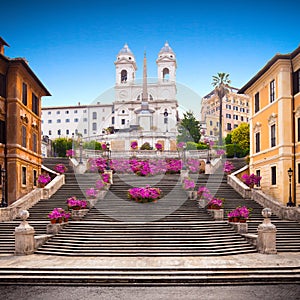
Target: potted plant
x=134, y=145
x=251, y=180
x=91, y=193
x=43, y=179
x=70, y=153
x=61, y=168
x=228, y=167
x=158, y=146
x=144, y=194
x=215, y=203
x=189, y=185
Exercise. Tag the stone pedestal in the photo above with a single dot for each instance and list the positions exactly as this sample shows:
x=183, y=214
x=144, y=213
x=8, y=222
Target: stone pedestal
x=240, y=227
x=183, y=174
x=79, y=214
x=102, y=194
x=24, y=236
x=266, y=240
x=91, y=202
x=55, y=228
x=208, y=168
x=218, y=214
x=192, y=195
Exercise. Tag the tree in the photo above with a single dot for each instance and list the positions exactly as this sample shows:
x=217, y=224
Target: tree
x=221, y=83
x=241, y=136
x=189, y=128
x=61, y=145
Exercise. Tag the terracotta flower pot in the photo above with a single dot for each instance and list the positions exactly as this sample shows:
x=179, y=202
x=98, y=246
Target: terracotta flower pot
x=52, y=221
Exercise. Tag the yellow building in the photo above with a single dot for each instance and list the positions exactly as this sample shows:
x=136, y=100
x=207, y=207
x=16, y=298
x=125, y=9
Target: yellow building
x=235, y=110
x=20, y=127
x=275, y=126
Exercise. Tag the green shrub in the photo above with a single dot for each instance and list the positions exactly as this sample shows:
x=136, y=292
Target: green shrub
x=146, y=146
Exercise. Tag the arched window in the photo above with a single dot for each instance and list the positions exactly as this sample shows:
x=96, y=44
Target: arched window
x=123, y=76
x=166, y=74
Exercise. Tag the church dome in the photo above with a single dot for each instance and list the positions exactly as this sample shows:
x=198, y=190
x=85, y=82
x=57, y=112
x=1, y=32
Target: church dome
x=166, y=49
x=126, y=53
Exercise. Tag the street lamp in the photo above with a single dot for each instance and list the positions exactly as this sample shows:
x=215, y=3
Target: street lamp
x=290, y=174
x=3, y=181
x=80, y=152
x=208, y=153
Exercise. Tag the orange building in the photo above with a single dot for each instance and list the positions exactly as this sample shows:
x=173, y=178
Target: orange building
x=275, y=126
x=20, y=127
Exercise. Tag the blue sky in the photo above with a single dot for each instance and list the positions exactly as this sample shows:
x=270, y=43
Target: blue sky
x=72, y=45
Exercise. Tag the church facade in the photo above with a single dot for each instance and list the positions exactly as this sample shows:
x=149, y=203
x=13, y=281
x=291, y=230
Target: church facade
x=142, y=110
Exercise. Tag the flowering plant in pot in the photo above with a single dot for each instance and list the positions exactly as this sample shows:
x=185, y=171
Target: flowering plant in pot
x=58, y=215
x=188, y=184
x=239, y=214
x=144, y=194
x=134, y=145
x=61, y=168
x=91, y=193
x=43, y=179
x=76, y=204
x=70, y=153
x=215, y=203
x=228, y=167
x=204, y=192
x=251, y=180
x=105, y=177
x=158, y=146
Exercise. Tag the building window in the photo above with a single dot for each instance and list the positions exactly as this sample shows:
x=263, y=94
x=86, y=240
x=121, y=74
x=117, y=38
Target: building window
x=24, y=136
x=2, y=132
x=85, y=131
x=273, y=175
x=242, y=118
x=34, y=142
x=257, y=142
x=94, y=115
x=76, y=120
x=50, y=132
x=272, y=91
x=24, y=94
x=296, y=82
x=112, y=120
x=235, y=126
x=34, y=177
x=84, y=111
x=24, y=175
x=49, y=121
x=67, y=112
x=58, y=121
x=228, y=126
x=123, y=121
x=298, y=126
x=273, y=136
x=67, y=120
x=58, y=112
x=76, y=131
x=256, y=102
x=228, y=116
x=75, y=111
x=35, y=104
x=2, y=85
x=84, y=119
x=49, y=112
x=210, y=123
x=67, y=131
x=58, y=132
x=94, y=126
x=258, y=174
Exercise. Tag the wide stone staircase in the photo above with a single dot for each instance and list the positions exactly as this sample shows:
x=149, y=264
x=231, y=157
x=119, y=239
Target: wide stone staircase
x=174, y=226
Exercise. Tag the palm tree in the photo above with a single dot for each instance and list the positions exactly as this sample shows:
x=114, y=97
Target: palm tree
x=221, y=84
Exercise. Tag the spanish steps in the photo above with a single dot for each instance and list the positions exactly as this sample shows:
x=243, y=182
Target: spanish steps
x=174, y=226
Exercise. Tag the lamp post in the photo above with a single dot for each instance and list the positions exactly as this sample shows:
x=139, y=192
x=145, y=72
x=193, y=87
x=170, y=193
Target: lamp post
x=80, y=151
x=108, y=156
x=290, y=174
x=3, y=181
x=208, y=153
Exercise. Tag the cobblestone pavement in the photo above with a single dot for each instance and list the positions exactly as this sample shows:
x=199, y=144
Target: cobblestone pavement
x=245, y=292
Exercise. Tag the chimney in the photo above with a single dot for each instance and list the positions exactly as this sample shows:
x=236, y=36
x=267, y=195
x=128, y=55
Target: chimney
x=2, y=44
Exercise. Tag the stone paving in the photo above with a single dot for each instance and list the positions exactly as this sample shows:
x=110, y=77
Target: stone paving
x=245, y=260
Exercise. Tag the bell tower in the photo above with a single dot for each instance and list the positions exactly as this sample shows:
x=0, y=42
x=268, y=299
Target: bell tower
x=125, y=67
x=166, y=64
